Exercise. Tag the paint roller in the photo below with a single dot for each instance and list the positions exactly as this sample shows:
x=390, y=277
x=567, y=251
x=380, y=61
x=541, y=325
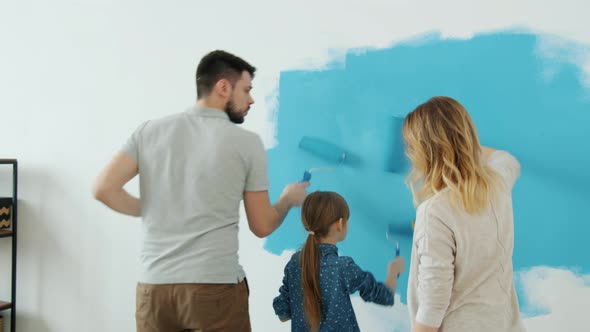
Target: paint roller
x=336, y=154
x=397, y=163
x=389, y=237
x=324, y=150
x=393, y=230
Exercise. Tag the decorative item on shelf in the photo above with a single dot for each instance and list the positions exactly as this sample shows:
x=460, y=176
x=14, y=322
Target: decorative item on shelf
x=5, y=209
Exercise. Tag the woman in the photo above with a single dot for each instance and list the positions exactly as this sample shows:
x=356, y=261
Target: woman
x=461, y=265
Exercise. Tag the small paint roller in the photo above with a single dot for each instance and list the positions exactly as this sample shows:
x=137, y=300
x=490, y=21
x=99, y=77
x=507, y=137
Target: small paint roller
x=389, y=236
x=396, y=230
x=396, y=161
x=322, y=149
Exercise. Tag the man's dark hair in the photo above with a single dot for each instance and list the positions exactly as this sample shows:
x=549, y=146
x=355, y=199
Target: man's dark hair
x=219, y=65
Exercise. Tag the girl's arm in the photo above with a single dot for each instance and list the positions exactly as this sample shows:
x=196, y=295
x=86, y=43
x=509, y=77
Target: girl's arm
x=364, y=282
x=281, y=303
x=394, y=269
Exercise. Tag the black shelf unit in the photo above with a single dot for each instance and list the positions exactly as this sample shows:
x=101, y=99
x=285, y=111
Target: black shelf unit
x=11, y=234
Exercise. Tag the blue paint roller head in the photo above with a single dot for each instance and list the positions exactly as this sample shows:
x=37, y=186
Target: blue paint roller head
x=322, y=149
x=396, y=161
x=396, y=230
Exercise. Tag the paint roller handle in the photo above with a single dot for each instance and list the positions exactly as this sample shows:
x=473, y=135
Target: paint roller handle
x=397, y=252
x=306, y=176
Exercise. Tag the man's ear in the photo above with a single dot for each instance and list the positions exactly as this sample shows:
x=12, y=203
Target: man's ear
x=223, y=88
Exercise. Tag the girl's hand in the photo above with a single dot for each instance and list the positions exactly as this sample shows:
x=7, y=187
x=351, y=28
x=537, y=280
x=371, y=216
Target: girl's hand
x=394, y=269
x=397, y=266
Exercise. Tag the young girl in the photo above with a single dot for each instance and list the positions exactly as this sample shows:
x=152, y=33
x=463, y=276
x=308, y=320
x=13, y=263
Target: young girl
x=461, y=266
x=317, y=284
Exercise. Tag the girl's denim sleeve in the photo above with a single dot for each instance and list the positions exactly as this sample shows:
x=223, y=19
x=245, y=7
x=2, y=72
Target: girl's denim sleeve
x=364, y=282
x=281, y=303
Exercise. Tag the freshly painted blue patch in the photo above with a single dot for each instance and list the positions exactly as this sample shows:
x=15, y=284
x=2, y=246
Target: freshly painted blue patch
x=502, y=80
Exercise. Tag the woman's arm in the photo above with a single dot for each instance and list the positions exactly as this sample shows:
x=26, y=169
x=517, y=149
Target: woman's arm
x=503, y=163
x=486, y=152
x=435, y=252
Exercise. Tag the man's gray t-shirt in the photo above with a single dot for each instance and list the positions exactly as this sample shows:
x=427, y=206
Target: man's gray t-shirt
x=194, y=168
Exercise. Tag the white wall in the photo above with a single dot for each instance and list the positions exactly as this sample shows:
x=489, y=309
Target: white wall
x=76, y=77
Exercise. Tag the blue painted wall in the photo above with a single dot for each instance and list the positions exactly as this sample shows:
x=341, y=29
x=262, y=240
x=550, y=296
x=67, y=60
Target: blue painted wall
x=535, y=107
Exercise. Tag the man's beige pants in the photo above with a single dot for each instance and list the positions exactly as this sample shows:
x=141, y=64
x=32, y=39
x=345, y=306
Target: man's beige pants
x=192, y=307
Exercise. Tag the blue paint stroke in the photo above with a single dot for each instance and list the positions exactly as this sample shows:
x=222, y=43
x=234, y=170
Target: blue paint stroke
x=502, y=80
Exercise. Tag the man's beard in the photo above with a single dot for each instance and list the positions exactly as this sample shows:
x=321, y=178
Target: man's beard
x=234, y=116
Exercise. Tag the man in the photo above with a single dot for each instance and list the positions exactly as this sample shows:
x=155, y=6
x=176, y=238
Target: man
x=195, y=167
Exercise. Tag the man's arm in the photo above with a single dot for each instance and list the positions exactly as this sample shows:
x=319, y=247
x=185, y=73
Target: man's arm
x=108, y=186
x=264, y=218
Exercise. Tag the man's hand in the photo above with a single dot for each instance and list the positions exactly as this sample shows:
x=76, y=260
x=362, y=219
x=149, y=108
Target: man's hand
x=294, y=194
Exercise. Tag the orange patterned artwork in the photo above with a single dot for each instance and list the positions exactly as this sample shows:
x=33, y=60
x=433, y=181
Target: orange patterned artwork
x=5, y=206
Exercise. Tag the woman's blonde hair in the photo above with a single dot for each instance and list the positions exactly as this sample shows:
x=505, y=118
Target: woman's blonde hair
x=443, y=147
